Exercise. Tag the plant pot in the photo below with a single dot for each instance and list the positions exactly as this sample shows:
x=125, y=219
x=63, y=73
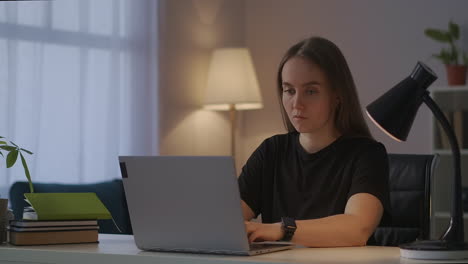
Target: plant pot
x=456, y=74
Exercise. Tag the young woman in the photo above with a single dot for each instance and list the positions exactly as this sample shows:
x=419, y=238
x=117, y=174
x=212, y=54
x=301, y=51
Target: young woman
x=325, y=183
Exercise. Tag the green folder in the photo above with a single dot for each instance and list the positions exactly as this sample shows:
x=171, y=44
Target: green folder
x=67, y=206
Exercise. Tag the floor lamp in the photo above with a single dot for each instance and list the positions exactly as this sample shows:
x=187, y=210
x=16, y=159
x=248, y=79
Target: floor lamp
x=232, y=85
x=394, y=113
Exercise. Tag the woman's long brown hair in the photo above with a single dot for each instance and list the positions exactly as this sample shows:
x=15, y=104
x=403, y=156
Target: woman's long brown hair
x=349, y=120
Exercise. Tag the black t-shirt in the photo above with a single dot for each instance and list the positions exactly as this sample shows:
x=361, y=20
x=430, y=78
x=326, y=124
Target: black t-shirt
x=282, y=179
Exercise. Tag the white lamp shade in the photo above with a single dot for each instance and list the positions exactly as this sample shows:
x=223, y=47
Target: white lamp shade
x=232, y=81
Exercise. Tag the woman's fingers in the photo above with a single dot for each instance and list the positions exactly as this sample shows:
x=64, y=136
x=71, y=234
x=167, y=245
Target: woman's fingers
x=253, y=237
x=252, y=231
x=255, y=231
x=248, y=227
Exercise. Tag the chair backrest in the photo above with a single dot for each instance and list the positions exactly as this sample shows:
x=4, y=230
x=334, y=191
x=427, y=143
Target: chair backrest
x=410, y=189
x=111, y=193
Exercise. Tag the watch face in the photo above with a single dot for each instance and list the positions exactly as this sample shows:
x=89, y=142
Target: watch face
x=289, y=227
x=288, y=222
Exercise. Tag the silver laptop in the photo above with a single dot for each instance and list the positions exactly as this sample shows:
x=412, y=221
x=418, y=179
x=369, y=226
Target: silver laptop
x=187, y=204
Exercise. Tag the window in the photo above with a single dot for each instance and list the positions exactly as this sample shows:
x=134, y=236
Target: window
x=77, y=86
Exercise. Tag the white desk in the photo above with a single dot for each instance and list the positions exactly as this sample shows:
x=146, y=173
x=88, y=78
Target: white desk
x=121, y=249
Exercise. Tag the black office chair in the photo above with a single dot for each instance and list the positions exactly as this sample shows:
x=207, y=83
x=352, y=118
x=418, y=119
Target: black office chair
x=410, y=188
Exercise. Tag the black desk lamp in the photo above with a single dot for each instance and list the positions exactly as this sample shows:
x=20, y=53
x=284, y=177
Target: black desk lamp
x=394, y=113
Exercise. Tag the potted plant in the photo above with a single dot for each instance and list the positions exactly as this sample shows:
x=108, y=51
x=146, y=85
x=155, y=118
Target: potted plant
x=11, y=151
x=455, y=61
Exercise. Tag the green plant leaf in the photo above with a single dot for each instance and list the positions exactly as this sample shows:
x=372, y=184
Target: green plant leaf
x=26, y=171
x=454, y=30
x=438, y=35
x=447, y=56
x=8, y=148
x=2, y=137
x=454, y=56
x=27, y=151
x=11, y=158
x=442, y=59
x=3, y=142
x=13, y=143
x=1, y=154
x=444, y=56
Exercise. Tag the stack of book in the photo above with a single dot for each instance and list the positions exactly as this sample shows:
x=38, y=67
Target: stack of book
x=58, y=218
x=25, y=232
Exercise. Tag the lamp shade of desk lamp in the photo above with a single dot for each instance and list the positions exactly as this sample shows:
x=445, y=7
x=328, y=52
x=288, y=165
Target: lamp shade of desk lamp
x=394, y=113
x=232, y=85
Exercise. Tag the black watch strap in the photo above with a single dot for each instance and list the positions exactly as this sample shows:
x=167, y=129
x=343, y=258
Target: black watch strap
x=288, y=225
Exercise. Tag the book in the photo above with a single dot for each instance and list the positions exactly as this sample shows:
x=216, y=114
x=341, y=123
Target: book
x=65, y=206
x=53, y=237
x=458, y=126
x=464, y=144
x=51, y=228
x=26, y=223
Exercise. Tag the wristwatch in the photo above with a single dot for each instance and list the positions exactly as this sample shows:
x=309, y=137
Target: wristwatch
x=288, y=225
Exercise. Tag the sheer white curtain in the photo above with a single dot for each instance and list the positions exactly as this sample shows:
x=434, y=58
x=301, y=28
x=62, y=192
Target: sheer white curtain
x=77, y=86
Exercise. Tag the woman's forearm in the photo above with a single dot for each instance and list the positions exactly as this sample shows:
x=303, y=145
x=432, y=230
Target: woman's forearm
x=341, y=230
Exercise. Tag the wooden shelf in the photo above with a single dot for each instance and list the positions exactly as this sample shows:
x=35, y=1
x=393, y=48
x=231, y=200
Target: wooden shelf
x=449, y=151
x=447, y=215
x=458, y=88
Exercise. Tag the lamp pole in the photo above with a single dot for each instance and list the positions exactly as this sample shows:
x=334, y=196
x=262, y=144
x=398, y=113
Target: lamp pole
x=232, y=117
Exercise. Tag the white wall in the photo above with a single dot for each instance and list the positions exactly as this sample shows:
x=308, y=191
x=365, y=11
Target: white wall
x=189, y=31
x=382, y=41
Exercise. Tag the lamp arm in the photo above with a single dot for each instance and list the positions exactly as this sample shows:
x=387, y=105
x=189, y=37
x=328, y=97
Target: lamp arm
x=455, y=232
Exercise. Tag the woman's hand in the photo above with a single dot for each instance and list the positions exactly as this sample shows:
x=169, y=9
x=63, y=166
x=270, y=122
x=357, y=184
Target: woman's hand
x=263, y=232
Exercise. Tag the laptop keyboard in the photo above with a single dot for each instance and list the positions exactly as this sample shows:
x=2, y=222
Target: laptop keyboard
x=264, y=246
